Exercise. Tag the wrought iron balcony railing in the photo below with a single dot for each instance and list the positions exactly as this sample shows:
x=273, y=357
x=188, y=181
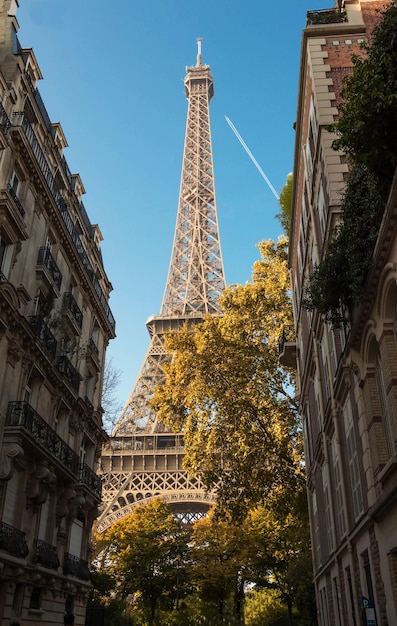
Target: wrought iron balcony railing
x=70, y=304
x=69, y=372
x=74, y=566
x=92, y=345
x=13, y=541
x=88, y=404
x=45, y=259
x=5, y=123
x=287, y=347
x=46, y=554
x=16, y=200
x=44, y=334
x=325, y=16
x=21, y=120
x=88, y=478
x=22, y=415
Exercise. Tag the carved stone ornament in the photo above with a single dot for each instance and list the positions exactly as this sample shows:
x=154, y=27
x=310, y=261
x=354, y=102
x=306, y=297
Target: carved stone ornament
x=9, y=455
x=14, y=353
x=41, y=481
x=75, y=423
x=76, y=506
x=63, y=499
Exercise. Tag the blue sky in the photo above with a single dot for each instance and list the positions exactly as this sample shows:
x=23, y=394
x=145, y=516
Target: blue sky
x=113, y=77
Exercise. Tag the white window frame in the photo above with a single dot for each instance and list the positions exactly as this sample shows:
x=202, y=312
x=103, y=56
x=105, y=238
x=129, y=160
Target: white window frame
x=352, y=459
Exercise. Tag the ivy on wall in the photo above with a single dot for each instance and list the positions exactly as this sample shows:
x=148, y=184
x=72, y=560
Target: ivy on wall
x=367, y=134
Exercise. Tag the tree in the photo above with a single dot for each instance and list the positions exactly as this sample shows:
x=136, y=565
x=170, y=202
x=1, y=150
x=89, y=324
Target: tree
x=218, y=551
x=280, y=553
x=285, y=202
x=226, y=390
x=367, y=134
x=146, y=552
x=367, y=127
x=110, y=402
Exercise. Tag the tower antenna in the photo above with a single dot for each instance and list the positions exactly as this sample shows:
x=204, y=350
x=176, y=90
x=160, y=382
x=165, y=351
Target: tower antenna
x=251, y=156
x=199, y=42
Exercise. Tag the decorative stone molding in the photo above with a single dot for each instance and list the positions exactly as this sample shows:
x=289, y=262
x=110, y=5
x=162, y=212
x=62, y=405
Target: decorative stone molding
x=9, y=455
x=14, y=353
x=63, y=501
x=42, y=480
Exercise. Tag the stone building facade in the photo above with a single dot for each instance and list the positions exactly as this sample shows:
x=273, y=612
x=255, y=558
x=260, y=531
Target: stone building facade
x=347, y=378
x=55, y=325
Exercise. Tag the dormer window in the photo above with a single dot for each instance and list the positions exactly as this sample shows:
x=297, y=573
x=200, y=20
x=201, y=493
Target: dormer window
x=77, y=186
x=32, y=69
x=59, y=137
x=97, y=235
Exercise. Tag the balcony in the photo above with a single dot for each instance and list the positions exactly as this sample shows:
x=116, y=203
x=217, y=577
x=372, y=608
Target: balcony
x=325, y=16
x=46, y=260
x=88, y=478
x=69, y=305
x=22, y=415
x=46, y=554
x=5, y=125
x=74, y=566
x=287, y=349
x=13, y=541
x=16, y=200
x=92, y=353
x=69, y=372
x=12, y=211
x=44, y=334
x=20, y=120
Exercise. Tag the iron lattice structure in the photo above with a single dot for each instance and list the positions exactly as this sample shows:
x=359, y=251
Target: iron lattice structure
x=142, y=460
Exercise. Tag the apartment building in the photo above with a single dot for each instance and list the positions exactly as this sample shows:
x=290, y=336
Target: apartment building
x=347, y=376
x=55, y=325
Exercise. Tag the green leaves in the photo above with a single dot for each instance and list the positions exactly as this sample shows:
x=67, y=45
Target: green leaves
x=143, y=549
x=367, y=127
x=367, y=133
x=337, y=283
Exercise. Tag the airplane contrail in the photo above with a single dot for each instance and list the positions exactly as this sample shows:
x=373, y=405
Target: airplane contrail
x=251, y=156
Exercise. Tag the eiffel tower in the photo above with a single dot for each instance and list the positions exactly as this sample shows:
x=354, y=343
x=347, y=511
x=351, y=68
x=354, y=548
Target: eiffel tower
x=142, y=460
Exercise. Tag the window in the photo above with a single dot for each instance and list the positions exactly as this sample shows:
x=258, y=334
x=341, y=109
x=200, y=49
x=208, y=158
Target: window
x=332, y=349
x=35, y=598
x=18, y=598
x=340, y=509
x=324, y=607
x=307, y=435
x=309, y=162
x=95, y=335
x=352, y=459
x=327, y=509
x=67, y=346
x=5, y=258
x=337, y=601
x=76, y=538
x=351, y=595
x=313, y=122
x=368, y=577
x=321, y=210
x=14, y=184
x=316, y=528
x=386, y=421
x=44, y=517
x=327, y=387
x=90, y=382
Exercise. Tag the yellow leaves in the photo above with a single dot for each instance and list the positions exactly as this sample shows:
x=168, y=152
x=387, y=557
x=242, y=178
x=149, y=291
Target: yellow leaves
x=225, y=388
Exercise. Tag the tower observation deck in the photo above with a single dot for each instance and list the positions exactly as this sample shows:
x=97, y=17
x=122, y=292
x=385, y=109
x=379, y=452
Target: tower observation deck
x=142, y=460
